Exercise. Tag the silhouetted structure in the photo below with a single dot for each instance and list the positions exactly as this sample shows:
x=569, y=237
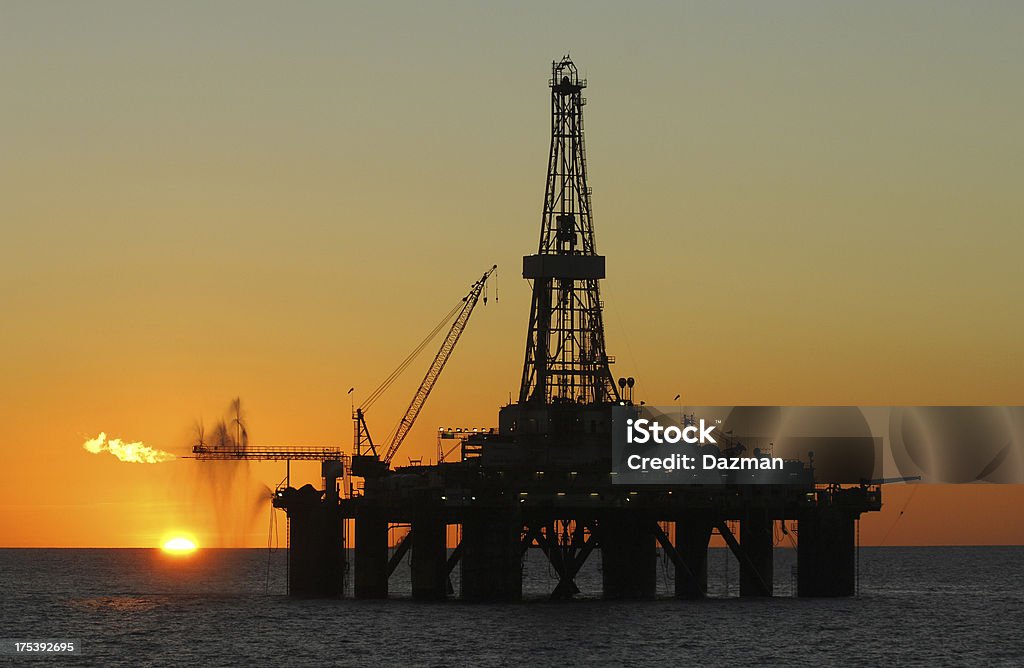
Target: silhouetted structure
x=565, y=354
x=542, y=479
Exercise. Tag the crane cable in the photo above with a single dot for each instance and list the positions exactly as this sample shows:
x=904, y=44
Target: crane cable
x=393, y=376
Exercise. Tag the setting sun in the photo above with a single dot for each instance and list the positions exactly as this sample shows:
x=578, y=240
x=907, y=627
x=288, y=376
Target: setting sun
x=179, y=545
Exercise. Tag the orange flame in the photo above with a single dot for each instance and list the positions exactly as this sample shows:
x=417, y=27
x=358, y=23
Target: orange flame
x=136, y=452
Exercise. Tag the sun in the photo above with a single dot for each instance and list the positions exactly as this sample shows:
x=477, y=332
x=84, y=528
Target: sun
x=179, y=545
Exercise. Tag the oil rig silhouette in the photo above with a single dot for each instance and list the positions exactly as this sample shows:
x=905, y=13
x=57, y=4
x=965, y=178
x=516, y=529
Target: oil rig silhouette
x=542, y=479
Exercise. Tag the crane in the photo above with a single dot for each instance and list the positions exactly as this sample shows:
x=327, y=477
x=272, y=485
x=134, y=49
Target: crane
x=333, y=459
x=371, y=463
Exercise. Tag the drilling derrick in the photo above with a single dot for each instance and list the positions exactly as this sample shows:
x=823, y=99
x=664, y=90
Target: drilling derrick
x=565, y=353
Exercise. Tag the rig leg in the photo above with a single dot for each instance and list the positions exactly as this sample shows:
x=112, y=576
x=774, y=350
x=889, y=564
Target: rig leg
x=693, y=533
x=628, y=555
x=371, y=555
x=429, y=556
x=316, y=551
x=826, y=553
x=757, y=566
x=492, y=569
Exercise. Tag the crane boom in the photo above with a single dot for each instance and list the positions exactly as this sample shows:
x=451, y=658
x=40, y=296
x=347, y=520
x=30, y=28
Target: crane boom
x=434, y=372
x=889, y=481
x=317, y=453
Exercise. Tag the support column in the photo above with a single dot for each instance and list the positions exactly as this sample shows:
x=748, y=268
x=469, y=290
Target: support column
x=316, y=550
x=757, y=566
x=629, y=557
x=826, y=553
x=693, y=533
x=371, y=554
x=429, y=556
x=492, y=567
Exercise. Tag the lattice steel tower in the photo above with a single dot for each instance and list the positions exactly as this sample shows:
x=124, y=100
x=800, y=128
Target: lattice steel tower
x=565, y=354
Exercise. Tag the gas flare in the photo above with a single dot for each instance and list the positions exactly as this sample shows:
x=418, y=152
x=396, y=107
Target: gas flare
x=136, y=452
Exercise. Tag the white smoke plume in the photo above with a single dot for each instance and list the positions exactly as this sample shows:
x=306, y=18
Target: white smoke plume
x=136, y=452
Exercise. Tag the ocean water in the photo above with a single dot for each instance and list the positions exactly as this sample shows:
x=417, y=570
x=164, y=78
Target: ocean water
x=917, y=606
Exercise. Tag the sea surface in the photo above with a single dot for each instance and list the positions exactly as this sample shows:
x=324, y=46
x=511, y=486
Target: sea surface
x=917, y=606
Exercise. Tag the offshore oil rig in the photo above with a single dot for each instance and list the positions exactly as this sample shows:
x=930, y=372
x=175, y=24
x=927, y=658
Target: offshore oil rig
x=542, y=479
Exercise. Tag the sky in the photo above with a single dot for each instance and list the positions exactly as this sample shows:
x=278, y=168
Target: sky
x=801, y=203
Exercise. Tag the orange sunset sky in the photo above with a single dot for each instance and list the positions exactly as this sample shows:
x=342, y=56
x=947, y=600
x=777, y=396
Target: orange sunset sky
x=800, y=203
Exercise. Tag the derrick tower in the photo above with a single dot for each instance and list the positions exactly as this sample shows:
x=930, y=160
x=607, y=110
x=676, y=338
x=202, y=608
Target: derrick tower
x=566, y=360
